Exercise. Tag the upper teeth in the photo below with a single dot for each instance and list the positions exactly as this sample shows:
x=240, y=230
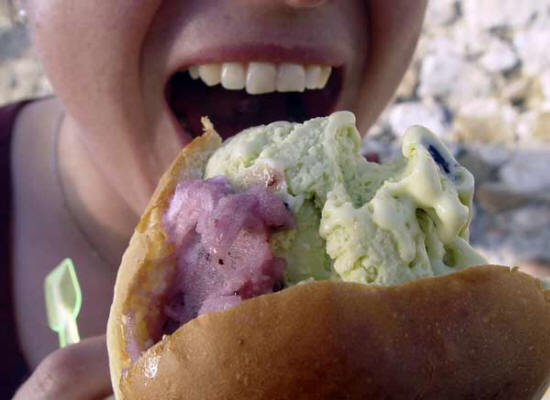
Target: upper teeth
x=263, y=77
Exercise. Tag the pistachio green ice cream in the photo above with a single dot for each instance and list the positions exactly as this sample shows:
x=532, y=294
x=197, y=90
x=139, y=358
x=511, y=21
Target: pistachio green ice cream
x=355, y=220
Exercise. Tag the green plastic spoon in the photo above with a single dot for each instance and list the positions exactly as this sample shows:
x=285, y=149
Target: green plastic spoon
x=63, y=302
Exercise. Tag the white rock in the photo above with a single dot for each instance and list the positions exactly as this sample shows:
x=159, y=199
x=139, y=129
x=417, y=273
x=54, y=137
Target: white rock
x=496, y=197
x=487, y=14
x=441, y=12
x=514, y=237
x=472, y=83
x=472, y=40
x=471, y=160
x=408, y=84
x=480, y=108
x=446, y=73
x=429, y=114
x=7, y=82
x=494, y=155
x=527, y=171
x=499, y=57
x=440, y=68
x=541, y=128
x=531, y=219
x=532, y=47
x=524, y=128
x=534, y=128
x=485, y=120
x=517, y=89
x=544, y=80
x=6, y=17
x=22, y=78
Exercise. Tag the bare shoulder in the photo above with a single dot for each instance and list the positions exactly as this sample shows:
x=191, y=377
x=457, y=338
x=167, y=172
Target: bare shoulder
x=36, y=215
x=33, y=128
x=33, y=137
x=37, y=114
x=44, y=233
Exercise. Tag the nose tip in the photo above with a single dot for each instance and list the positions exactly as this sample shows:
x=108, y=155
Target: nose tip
x=305, y=3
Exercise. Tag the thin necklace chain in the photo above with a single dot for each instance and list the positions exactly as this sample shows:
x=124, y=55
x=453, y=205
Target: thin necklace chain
x=57, y=173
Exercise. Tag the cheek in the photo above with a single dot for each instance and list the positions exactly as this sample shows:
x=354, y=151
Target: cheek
x=393, y=34
x=90, y=49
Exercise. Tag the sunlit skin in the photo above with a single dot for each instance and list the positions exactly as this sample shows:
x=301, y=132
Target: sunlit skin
x=109, y=63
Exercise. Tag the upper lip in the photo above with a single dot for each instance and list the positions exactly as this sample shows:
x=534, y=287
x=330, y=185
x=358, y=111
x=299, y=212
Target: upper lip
x=274, y=53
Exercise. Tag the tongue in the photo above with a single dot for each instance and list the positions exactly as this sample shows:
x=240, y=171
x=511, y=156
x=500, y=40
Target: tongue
x=231, y=111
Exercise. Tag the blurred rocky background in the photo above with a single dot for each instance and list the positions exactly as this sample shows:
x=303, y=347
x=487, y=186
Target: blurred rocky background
x=20, y=74
x=480, y=80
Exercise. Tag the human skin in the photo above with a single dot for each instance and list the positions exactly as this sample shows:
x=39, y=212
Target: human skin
x=109, y=62
x=114, y=91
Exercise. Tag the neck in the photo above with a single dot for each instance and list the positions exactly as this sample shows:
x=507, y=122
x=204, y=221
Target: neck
x=95, y=199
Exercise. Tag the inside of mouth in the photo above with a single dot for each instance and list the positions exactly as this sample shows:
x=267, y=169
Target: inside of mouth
x=231, y=111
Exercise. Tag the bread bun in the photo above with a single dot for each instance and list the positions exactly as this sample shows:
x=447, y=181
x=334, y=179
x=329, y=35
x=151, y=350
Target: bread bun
x=483, y=332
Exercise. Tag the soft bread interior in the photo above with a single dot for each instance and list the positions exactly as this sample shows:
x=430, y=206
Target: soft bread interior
x=478, y=333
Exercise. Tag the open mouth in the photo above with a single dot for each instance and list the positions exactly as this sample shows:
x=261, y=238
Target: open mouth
x=236, y=96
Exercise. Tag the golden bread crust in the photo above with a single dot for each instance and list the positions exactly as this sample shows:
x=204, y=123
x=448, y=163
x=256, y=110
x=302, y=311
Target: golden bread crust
x=482, y=333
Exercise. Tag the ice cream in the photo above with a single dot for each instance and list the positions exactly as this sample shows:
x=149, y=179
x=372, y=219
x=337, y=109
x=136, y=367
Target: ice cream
x=209, y=300
x=355, y=220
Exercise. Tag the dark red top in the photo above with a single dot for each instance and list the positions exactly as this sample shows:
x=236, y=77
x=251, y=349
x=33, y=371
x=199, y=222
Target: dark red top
x=13, y=369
